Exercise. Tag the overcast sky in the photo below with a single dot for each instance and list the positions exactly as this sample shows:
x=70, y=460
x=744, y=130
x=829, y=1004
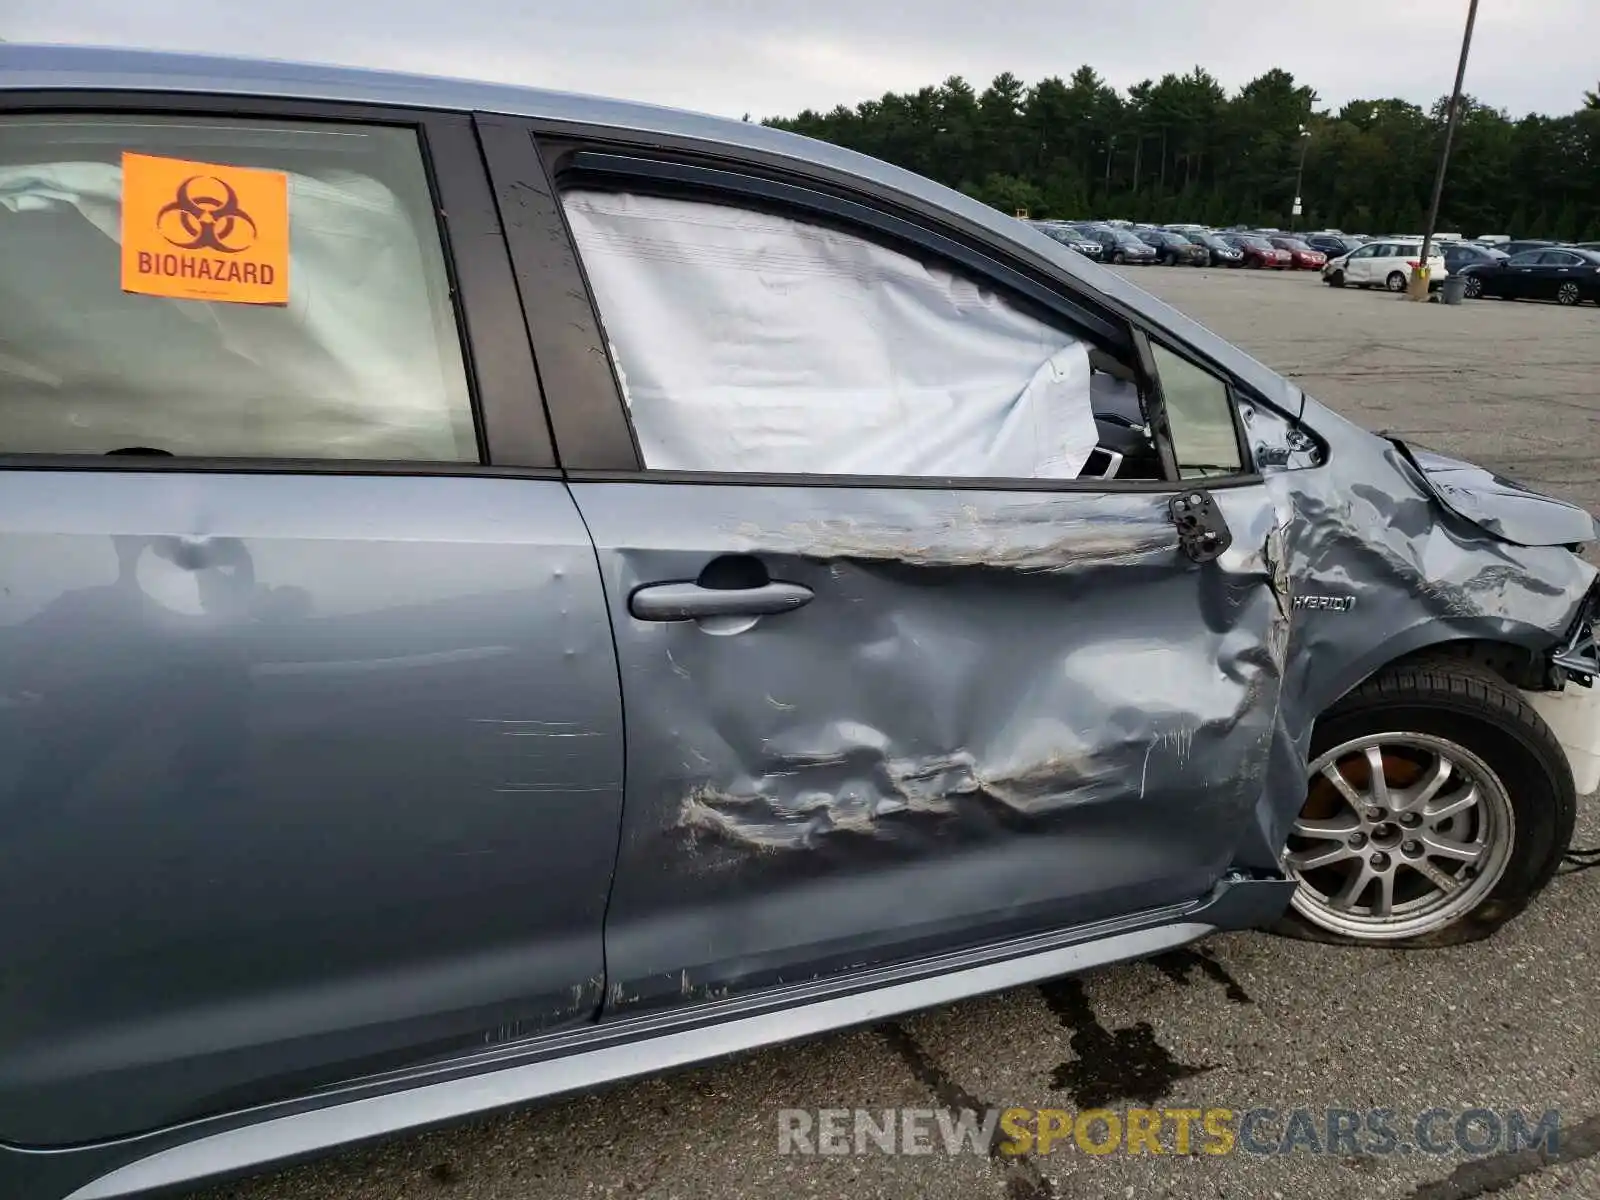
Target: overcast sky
x=767, y=59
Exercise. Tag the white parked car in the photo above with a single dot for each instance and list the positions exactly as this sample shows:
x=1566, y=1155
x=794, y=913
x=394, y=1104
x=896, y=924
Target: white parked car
x=1382, y=263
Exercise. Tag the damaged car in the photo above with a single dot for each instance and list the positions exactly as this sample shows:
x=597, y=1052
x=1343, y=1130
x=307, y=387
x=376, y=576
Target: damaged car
x=502, y=592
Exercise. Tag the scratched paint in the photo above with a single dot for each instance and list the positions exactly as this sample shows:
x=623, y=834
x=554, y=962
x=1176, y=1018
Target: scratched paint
x=1044, y=535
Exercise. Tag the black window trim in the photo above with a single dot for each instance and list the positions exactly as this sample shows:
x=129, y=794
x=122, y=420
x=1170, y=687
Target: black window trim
x=508, y=412
x=594, y=437
x=1165, y=443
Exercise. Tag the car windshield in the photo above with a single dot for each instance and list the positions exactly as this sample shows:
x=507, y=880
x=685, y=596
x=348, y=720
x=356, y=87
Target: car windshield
x=1293, y=244
x=1257, y=243
x=1127, y=239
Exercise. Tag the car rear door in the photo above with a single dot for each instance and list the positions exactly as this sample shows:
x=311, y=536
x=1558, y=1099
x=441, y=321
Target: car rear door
x=891, y=689
x=1554, y=268
x=310, y=736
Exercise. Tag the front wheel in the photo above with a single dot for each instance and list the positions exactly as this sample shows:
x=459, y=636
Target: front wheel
x=1474, y=287
x=1119, y=258
x=1396, y=282
x=1335, y=280
x=1438, y=806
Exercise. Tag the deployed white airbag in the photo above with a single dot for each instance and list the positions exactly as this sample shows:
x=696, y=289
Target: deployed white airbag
x=359, y=364
x=759, y=343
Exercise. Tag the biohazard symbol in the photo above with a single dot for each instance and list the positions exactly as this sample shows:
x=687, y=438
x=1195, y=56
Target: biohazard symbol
x=206, y=216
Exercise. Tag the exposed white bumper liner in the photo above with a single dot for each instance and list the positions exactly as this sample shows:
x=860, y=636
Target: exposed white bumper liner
x=1574, y=716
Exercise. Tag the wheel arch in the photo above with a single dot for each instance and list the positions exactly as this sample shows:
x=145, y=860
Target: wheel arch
x=1521, y=663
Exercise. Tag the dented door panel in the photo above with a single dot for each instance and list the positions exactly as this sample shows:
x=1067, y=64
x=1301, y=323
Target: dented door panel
x=316, y=775
x=1000, y=711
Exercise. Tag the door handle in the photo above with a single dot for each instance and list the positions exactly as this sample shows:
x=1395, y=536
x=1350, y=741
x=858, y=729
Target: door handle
x=691, y=602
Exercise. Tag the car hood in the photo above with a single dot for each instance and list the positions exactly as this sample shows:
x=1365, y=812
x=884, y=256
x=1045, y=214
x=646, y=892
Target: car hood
x=1501, y=507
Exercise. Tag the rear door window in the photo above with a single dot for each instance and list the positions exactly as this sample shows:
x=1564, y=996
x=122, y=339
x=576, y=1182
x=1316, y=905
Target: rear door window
x=224, y=288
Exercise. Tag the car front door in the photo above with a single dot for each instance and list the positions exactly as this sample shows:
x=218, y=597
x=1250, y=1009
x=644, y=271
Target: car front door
x=1520, y=279
x=896, y=679
x=310, y=737
x=1359, y=268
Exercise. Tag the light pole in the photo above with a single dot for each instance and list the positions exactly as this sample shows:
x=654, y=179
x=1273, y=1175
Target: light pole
x=1444, y=154
x=1299, y=179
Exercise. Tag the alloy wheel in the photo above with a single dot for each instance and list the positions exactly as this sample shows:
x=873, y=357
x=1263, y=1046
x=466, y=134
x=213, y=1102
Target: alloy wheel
x=1474, y=287
x=1401, y=834
x=1568, y=293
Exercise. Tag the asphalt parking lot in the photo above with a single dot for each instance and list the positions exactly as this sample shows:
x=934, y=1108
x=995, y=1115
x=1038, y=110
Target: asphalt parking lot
x=1242, y=1021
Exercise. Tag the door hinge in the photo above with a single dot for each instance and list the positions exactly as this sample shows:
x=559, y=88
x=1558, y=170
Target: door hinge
x=1202, y=533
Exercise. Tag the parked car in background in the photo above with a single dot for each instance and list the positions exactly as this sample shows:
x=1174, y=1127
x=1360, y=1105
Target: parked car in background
x=1587, y=245
x=548, y=609
x=1521, y=244
x=1061, y=232
x=1333, y=244
x=1566, y=274
x=1464, y=254
x=1302, y=256
x=1174, y=248
x=1385, y=264
x=1223, y=253
x=1118, y=245
x=1259, y=252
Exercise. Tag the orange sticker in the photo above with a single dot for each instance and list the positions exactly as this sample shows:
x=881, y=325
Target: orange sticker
x=204, y=231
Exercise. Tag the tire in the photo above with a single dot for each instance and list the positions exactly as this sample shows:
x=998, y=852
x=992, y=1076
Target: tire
x=1474, y=288
x=1396, y=282
x=1335, y=280
x=1169, y=260
x=1569, y=294
x=1521, y=821
x=1119, y=258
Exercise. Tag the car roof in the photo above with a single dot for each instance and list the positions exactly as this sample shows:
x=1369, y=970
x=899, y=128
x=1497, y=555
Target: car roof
x=82, y=67
x=78, y=68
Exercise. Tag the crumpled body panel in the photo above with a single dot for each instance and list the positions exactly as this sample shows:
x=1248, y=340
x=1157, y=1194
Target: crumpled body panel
x=1502, y=507
x=999, y=712
x=1379, y=569
x=1003, y=711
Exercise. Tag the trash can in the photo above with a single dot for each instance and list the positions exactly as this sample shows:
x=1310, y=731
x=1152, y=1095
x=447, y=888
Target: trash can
x=1454, y=289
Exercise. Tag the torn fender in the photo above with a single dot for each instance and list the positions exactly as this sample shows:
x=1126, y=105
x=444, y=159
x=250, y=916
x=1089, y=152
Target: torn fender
x=1499, y=506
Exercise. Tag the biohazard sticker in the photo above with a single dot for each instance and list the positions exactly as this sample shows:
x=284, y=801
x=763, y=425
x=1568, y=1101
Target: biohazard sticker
x=204, y=231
